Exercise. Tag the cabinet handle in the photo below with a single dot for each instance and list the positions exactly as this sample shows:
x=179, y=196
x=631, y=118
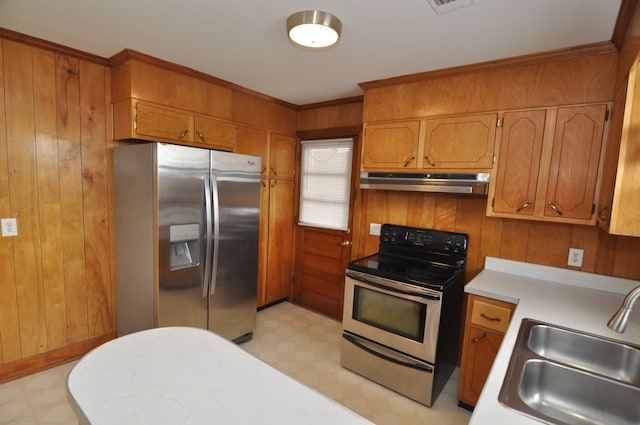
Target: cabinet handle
x=433, y=164
x=555, y=208
x=408, y=161
x=273, y=171
x=181, y=135
x=201, y=136
x=601, y=213
x=478, y=338
x=523, y=206
x=491, y=319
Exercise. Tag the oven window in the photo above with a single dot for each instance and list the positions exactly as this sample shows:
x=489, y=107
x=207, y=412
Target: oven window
x=391, y=313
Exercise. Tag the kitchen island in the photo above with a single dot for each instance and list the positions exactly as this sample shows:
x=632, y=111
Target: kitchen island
x=179, y=375
x=568, y=298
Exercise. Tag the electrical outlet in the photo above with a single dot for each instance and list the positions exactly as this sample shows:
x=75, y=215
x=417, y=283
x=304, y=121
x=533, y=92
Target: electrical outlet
x=374, y=229
x=575, y=257
x=9, y=227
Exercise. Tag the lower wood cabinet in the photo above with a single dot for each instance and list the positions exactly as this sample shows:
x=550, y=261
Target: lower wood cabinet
x=486, y=322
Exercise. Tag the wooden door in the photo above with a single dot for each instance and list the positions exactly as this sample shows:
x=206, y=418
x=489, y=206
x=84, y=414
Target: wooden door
x=282, y=154
x=481, y=350
x=464, y=142
x=254, y=141
x=519, y=162
x=280, y=240
x=321, y=259
x=575, y=160
x=389, y=146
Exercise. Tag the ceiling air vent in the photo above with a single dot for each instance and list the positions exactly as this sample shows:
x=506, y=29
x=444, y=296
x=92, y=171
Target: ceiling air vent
x=443, y=6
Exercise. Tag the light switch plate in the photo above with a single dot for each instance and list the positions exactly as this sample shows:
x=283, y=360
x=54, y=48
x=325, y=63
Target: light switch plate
x=9, y=227
x=374, y=229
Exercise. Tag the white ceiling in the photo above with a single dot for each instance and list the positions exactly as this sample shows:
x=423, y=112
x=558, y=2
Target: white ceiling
x=244, y=41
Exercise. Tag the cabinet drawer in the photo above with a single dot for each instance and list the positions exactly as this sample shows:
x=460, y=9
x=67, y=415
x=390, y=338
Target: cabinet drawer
x=490, y=316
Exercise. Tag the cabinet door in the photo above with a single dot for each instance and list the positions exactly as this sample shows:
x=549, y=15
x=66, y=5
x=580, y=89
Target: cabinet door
x=253, y=141
x=263, y=242
x=155, y=122
x=519, y=162
x=282, y=155
x=481, y=348
x=464, y=142
x=575, y=159
x=391, y=145
x=280, y=250
x=215, y=134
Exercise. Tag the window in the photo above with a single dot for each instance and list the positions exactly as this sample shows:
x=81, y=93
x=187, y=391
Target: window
x=325, y=182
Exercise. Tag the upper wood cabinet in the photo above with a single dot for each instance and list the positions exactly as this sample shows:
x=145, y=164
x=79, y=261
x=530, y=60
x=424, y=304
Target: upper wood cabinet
x=625, y=208
x=464, y=142
x=548, y=164
x=390, y=146
x=136, y=119
x=449, y=143
x=215, y=134
x=282, y=155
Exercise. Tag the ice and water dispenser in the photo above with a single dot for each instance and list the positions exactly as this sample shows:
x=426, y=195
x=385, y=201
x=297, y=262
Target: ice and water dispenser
x=184, y=246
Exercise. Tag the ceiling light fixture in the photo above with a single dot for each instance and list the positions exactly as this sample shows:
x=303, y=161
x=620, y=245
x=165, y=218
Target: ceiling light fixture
x=314, y=28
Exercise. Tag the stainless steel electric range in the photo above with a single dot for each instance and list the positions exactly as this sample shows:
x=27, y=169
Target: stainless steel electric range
x=403, y=310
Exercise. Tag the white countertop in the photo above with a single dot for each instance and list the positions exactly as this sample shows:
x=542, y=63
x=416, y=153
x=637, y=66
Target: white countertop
x=573, y=299
x=183, y=375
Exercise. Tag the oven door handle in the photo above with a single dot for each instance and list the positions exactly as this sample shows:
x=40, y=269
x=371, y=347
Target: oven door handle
x=392, y=288
x=369, y=350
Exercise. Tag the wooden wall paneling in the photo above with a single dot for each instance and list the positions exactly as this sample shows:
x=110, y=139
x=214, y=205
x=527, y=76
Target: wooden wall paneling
x=490, y=238
x=605, y=253
x=626, y=260
x=96, y=200
x=19, y=97
x=513, y=243
x=48, y=190
x=445, y=212
x=469, y=217
x=548, y=244
x=71, y=197
x=342, y=113
x=10, y=348
x=421, y=211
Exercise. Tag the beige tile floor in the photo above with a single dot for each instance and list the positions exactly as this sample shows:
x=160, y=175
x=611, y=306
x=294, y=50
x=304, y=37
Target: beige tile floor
x=301, y=343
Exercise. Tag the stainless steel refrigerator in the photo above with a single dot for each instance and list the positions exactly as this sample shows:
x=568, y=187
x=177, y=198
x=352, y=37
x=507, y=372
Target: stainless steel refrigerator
x=186, y=224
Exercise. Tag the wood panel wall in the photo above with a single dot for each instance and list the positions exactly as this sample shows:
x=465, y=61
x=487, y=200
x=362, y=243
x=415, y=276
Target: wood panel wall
x=56, y=276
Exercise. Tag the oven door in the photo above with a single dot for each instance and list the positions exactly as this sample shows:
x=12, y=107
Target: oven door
x=395, y=314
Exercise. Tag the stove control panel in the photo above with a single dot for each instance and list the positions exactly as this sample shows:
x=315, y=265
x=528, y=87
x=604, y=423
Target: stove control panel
x=392, y=236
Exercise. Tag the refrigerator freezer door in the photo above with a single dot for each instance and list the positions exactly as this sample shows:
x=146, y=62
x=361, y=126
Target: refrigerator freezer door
x=235, y=183
x=182, y=179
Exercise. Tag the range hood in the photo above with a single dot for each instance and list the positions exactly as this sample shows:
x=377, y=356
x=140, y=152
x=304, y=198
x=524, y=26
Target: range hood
x=469, y=183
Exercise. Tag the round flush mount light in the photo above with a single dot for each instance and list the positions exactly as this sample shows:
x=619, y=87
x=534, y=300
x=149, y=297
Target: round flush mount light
x=314, y=28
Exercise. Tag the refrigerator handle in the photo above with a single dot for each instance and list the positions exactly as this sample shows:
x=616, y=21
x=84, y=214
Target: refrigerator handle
x=208, y=231
x=216, y=232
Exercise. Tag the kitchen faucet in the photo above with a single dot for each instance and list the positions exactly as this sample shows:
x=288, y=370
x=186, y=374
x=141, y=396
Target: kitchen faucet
x=618, y=321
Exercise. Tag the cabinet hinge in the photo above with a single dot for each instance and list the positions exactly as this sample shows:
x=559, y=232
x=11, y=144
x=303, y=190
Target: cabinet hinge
x=499, y=122
x=493, y=202
x=593, y=209
x=606, y=115
x=494, y=158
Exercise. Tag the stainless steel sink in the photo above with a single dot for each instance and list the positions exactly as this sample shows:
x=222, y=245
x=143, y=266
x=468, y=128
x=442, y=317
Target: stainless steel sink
x=564, y=376
x=613, y=359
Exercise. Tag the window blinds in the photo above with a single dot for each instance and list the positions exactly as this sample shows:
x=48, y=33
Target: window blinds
x=325, y=182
